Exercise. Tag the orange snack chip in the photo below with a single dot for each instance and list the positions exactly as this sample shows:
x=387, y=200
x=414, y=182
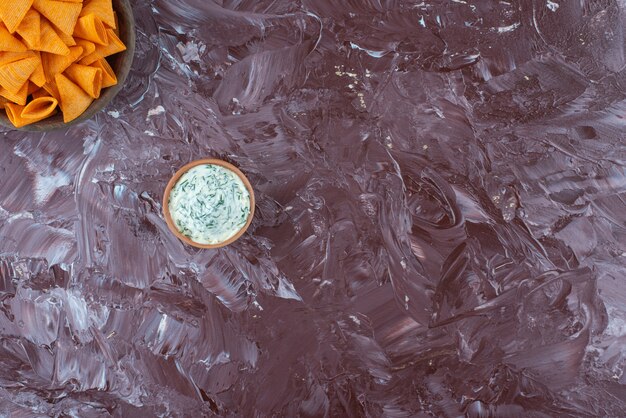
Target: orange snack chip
x=9, y=42
x=103, y=9
x=19, y=97
x=7, y=57
x=73, y=100
x=108, y=75
x=54, y=64
x=51, y=41
x=15, y=74
x=67, y=39
x=88, y=78
x=38, y=109
x=53, y=56
x=52, y=89
x=90, y=27
x=63, y=15
x=12, y=12
x=115, y=45
x=38, y=76
x=88, y=47
x=30, y=29
x=13, y=113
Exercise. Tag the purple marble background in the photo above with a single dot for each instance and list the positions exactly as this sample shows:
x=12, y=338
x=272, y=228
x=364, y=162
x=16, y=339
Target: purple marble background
x=440, y=229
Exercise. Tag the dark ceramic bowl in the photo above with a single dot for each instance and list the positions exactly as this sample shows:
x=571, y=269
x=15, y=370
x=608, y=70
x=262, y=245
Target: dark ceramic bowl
x=120, y=63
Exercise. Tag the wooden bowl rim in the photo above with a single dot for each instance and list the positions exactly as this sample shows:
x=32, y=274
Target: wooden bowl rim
x=179, y=174
x=126, y=16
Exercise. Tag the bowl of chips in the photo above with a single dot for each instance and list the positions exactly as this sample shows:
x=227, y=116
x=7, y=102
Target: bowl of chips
x=61, y=62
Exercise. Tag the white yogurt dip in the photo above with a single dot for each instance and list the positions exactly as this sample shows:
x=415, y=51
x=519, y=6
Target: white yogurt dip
x=209, y=204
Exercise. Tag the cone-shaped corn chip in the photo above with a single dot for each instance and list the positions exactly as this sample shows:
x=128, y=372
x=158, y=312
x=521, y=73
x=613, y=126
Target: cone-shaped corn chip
x=9, y=42
x=13, y=11
x=14, y=74
x=115, y=45
x=103, y=9
x=7, y=57
x=50, y=40
x=38, y=76
x=19, y=97
x=52, y=89
x=86, y=77
x=91, y=28
x=67, y=39
x=54, y=64
x=88, y=47
x=74, y=101
x=108, y=75
x=13, y=113
x=30, y=29
x=35, y=111
x=40, y=108
x=62, y=14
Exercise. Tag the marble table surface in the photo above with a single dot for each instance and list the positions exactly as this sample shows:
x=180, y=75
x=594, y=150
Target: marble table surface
x=440, y=227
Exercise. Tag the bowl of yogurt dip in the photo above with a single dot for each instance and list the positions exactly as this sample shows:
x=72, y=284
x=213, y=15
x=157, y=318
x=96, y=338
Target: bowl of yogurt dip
x=208, y=203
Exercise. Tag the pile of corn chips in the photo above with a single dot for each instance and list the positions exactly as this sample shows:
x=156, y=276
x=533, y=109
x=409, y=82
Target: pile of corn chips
x=53, y=53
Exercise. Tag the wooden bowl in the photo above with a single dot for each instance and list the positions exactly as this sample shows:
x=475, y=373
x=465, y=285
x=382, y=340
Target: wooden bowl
x=120, y=63
x=174, y=180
